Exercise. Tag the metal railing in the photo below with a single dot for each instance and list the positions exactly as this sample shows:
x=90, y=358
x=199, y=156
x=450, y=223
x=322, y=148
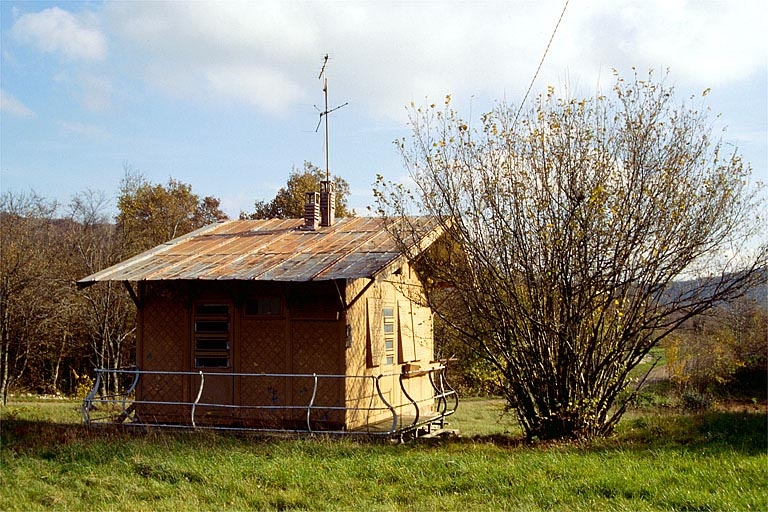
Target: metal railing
x=375, y=414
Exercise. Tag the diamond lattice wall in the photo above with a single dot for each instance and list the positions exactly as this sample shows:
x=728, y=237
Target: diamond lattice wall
x=263, y=350
x=165, y=335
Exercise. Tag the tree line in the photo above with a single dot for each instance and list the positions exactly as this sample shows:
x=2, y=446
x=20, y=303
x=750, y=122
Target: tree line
x=51, y=333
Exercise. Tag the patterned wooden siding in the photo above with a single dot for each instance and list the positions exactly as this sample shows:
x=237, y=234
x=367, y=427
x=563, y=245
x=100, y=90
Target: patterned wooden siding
x=263, y=349
x=359, y=392
x=415, y=345
x=313, y=343
x=165, y=340
x=317, y=347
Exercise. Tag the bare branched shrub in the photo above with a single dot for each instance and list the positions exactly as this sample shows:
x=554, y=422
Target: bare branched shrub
x=565, y=231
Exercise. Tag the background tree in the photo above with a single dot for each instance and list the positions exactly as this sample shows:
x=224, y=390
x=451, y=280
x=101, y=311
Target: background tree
x=566, y=226
x=104, y=315
x=290, y=200
x=56, y=345
x=27, y=293
x=151, y=214
x=48, y=328
x=722, y=352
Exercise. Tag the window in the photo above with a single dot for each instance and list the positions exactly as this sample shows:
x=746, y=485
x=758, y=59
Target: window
x=212, y=362
x=264, y=306
x=211, y=326
x=212, y=335
x=389, y=335
x=211, y=345
x=381, y=348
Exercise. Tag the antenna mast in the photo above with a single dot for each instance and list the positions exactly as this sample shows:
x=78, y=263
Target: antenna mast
x=325, y=112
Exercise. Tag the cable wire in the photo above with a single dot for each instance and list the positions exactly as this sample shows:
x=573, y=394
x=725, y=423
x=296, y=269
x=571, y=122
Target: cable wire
x=541, y=62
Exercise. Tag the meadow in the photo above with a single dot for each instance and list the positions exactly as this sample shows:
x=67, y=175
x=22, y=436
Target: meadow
x=660, y=459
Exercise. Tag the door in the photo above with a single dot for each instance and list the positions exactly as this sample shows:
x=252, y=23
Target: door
x=212, y=343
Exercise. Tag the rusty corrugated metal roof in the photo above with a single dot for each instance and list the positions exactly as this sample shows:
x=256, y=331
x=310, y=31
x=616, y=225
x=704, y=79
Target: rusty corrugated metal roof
x=268, y=250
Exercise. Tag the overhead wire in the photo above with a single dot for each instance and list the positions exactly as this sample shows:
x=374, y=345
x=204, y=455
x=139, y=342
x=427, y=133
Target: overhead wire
x=541, y=62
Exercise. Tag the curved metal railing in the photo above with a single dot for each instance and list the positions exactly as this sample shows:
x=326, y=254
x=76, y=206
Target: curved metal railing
x=380, y=417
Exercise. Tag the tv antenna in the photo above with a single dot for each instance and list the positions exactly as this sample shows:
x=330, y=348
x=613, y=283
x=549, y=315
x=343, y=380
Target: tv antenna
x=324, y=113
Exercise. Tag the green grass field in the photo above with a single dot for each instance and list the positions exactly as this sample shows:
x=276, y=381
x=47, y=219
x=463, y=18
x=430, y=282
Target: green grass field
x=709, y=461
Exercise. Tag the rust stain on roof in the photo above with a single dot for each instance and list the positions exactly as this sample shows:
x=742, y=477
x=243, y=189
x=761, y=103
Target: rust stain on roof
x=268, y=250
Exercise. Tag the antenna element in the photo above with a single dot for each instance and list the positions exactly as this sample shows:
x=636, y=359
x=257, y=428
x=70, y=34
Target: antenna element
x=325, y=112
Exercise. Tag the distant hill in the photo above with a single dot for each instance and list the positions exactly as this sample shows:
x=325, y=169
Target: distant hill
x=757, y=293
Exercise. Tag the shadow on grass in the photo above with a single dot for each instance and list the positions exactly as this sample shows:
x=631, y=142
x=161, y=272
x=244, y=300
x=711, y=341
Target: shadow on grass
x=55, y=440
x=35, y=437
x=741, y=432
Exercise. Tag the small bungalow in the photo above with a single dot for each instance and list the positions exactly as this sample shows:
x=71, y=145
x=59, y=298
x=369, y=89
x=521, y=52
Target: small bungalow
x=307, y=324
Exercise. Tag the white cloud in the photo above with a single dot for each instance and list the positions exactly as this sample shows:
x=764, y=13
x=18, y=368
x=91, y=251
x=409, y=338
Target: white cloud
x=95, y=92
x=267, y=54
x=267, y=89
x=92, y=91
x=702, y=43
x=245, y=53
x=13, y=106
x=389, y=53
x=83, y=130
x=200, y=31
x=55, y=30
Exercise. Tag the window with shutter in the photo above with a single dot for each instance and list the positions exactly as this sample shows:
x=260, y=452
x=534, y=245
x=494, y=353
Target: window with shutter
x=212, y=336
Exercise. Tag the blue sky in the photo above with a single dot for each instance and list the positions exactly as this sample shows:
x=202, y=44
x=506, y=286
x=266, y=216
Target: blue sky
x=222, y=95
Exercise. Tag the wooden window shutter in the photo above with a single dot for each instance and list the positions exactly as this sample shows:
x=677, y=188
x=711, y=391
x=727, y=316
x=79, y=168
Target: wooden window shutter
x=375, y=339
x=406, y=338
x=422, y=332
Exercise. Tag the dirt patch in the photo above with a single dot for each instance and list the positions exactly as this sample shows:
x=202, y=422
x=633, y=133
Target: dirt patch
x=742, y=405
x=658, y=374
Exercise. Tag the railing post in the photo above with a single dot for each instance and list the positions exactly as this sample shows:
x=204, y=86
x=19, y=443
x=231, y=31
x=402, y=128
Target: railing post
x=440, y=393
x=199, y=394
x=389, y=406
x=415, y=405
x=442, y=403
x=85, y=410
x=311, y=403
x=131, y=387
x=452, y=392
